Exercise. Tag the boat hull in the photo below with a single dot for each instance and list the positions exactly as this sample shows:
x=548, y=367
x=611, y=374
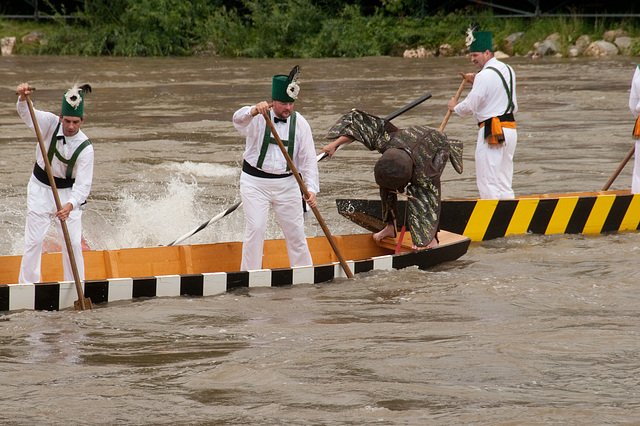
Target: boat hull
x=203, y=270
x=480, y=220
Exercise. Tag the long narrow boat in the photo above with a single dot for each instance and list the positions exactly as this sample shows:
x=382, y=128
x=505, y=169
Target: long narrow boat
x=569, y=213
x=209, y=269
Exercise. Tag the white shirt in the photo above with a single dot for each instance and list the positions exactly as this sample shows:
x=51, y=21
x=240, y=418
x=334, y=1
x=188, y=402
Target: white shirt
x=304, y=153
x=83, y=170
x=634, y=95
x=488, y=97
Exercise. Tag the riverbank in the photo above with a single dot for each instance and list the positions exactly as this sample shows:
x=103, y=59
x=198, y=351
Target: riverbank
x=304, y=30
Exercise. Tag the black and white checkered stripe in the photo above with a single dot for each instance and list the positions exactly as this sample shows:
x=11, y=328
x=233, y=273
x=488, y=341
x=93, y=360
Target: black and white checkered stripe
x=61, y=295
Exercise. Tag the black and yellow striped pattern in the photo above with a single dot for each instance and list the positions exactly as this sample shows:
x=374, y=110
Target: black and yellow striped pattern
x=573, y=213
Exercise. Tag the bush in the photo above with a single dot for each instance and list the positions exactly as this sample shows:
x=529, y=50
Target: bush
x=296, y=28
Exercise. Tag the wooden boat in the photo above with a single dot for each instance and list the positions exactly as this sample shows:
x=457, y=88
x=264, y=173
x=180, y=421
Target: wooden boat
x=209, y=269
x=569, y=213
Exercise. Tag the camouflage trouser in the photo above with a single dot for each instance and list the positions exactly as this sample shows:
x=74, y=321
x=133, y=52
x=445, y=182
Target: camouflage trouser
x=422, y=214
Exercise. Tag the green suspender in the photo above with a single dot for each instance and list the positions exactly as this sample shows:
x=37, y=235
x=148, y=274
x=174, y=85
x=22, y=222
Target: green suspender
x=508, y=88
x=70, y=162
x=288, y=143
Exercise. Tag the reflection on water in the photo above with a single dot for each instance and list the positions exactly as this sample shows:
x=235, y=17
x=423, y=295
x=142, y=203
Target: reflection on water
x=521, y=330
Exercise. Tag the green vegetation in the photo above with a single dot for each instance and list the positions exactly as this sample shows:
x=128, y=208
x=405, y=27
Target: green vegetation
x=272, y=28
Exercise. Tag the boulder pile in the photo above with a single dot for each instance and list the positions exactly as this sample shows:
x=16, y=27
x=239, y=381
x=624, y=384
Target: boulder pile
x=614, y=42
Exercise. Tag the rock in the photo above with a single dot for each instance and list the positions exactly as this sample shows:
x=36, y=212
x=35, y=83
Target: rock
x=500, y=55
x=7, y=44
x=548, y=47
x=624, y=44
x=553, y=37
x=410, y=53
x=581, y=43
x=33, y=37
x=445, y=50
x=510, y=41
x=600, y=48
x=420, y=52
x=573, y=51
x=512, y=38
x=610, y=36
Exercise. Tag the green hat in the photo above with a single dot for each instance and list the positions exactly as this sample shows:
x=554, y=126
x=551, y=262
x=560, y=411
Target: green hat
x=481, y=42
x=73, y=101
x=279, y=89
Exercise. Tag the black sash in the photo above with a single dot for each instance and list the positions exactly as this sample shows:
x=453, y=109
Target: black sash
x=250, y=170
x=41, y=175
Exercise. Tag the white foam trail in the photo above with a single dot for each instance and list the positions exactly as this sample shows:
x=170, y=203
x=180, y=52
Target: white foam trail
x=190, y=168
x=159, y=218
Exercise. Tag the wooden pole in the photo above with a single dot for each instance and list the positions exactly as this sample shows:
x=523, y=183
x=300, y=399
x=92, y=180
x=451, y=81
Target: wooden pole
x=458, y=93
x=305, y=192
x=620, y=167
x=83, y=303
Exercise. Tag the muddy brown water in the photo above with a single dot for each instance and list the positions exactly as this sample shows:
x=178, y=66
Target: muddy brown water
x=526, y=329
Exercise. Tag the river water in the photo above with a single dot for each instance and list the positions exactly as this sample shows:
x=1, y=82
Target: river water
x=526, y=329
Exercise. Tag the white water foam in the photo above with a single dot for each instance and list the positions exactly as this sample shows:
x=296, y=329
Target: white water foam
x=212, y=170
x=157, y=213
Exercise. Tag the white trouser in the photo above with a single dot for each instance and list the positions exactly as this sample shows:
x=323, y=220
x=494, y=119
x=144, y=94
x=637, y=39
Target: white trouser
x=494, y=166
x=283, y=195
x=635, y=180
x=41, y=208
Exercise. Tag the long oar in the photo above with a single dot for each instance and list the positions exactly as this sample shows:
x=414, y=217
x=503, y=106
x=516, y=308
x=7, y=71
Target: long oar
x=389, y=117
x=82, y=303
x=305, y=192
x=207, y=223
x=458, y=93
x=620, y=167
x=408, y=107
x=320, y=157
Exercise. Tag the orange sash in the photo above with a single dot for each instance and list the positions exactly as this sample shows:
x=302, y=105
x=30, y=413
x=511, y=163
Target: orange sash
x=497, y=135
x=636, y=130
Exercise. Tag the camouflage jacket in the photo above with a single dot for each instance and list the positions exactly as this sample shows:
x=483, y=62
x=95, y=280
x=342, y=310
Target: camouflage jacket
x=429, y=149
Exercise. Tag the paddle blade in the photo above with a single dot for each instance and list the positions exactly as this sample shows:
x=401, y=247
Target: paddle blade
x=78, y=305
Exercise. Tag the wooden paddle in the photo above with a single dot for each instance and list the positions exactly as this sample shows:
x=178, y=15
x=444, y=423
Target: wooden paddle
x=458, y=93
x=305, y=192
x=83, y=303
x=620, y=167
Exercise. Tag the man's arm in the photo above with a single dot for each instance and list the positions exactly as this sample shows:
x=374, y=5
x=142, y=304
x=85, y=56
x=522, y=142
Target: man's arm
x=634, y=94
x=333, y=146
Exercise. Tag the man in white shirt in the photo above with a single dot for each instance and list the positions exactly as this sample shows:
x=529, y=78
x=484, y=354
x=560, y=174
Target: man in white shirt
x=634, y=106
x=492, y=101
x=266, y=181
x=71, y=156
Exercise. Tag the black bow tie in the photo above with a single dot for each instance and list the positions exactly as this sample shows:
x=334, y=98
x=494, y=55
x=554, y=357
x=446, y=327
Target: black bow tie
x=64, y=141
x=280, y=120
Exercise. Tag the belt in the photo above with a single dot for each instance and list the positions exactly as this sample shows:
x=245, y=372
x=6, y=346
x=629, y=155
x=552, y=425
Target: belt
x=250, y=170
